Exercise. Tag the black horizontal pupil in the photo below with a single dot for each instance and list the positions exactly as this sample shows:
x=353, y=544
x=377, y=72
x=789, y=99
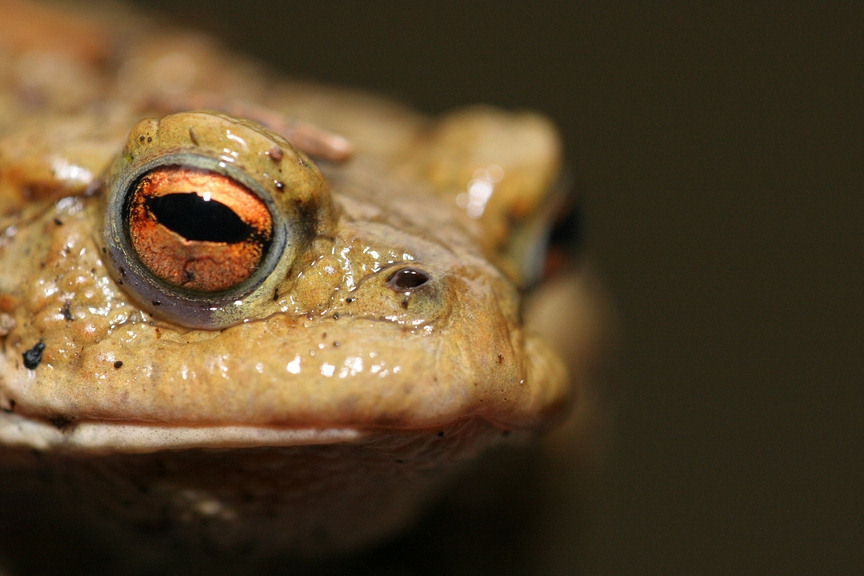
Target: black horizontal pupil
x=195, y=218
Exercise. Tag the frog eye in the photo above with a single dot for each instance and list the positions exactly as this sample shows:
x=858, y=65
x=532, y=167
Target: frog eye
x=197, y=230
x=190, y=238
x=205, y=215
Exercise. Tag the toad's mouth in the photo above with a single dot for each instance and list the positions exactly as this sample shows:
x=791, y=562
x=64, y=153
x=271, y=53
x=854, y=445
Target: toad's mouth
x=93, y=437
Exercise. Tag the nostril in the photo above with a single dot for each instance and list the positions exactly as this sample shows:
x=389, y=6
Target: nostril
x=407, y=279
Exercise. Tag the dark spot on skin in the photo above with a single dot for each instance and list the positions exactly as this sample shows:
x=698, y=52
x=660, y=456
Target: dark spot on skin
x=156, y=303
x=59, y=422
x=141, y=138
x=58, y=222
x=118, y=364
x=349, y=300
x=407, y=279
x=279, y=185
x=67, y=312
x=405, y=302
x=104, y=250
x=33, y=356
x=275, y=153
x=149, y=139
x=335, y=316
x=275, y=295
x=123, y=272
x=500, y=358
x=441, y=434
x=336, y=343
x=193, y=136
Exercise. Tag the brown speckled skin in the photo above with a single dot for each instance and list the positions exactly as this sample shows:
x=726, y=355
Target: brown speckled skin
x=322, y=419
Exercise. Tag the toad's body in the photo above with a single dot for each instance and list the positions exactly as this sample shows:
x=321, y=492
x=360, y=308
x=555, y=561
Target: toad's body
x=314, y=407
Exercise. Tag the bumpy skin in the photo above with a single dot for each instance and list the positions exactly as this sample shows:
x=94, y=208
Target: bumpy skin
x=322, y=409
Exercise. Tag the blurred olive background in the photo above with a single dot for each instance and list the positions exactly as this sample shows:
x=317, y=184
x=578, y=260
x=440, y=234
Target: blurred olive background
x=718, y=149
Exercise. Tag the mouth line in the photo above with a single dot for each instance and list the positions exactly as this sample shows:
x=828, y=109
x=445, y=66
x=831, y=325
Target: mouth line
x=93, y=437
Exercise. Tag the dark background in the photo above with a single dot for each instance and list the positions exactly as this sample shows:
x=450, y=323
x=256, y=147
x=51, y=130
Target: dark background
x=719, y=152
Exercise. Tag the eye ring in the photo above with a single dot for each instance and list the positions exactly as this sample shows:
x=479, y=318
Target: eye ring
x=190, y=300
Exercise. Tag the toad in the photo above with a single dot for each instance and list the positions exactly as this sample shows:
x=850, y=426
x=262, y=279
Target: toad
x=244, y=313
